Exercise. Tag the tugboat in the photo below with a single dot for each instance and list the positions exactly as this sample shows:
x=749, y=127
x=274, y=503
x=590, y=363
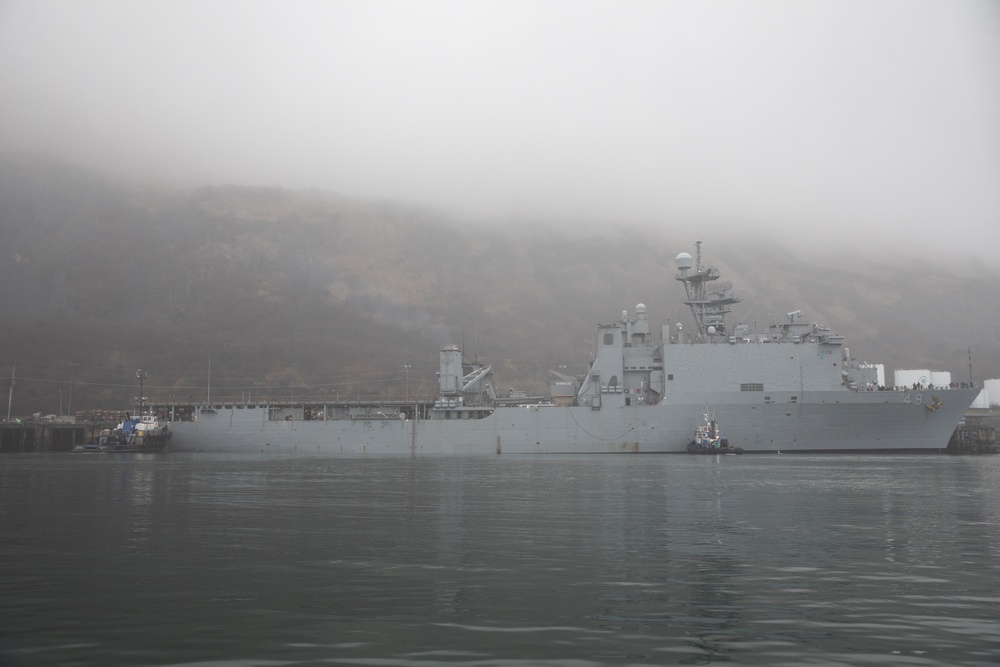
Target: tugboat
x=135, y=434
x=145, y=433
x=708, y=441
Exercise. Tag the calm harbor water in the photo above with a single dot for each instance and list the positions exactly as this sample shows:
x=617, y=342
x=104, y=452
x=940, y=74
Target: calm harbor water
x=570, y=561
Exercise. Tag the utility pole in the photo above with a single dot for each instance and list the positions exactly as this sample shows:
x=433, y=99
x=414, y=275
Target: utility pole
x=141, y=374
x=406, y=385
x=10, y=396
x=72, y=380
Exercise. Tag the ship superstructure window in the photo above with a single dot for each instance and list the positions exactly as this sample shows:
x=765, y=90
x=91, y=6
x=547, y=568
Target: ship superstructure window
x=752, y=386
x=609, y=339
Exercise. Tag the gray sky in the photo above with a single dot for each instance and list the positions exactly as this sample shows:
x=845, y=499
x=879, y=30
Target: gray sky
x=810, y=119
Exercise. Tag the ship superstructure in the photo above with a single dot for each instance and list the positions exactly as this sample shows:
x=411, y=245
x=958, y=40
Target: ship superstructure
x=791, y=388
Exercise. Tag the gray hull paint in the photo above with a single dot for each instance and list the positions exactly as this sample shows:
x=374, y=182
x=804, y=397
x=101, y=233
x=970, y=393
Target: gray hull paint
x=836, y=421
x=791, y=388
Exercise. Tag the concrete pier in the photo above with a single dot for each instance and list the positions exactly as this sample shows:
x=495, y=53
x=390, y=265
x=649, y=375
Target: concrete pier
x=973, y=439
x=27, y=437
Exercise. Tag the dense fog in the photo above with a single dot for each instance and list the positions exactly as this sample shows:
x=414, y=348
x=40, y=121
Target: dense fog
x=827, y=123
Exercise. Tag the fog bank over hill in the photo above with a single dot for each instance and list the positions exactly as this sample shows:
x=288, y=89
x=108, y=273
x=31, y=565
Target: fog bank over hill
x=831, y=126
x=290, y=293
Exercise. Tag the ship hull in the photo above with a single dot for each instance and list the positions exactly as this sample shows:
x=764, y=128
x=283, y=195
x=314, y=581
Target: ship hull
x=834, y=421
x=793, y=388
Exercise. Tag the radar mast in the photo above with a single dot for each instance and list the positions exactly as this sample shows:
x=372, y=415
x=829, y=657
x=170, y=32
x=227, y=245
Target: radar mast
x=709, y=301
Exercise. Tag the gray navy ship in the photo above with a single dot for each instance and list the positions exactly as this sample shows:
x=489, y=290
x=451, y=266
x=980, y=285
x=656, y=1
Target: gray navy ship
x=791, y=388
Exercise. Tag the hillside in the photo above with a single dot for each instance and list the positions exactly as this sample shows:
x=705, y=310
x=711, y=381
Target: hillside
x=282, y=293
